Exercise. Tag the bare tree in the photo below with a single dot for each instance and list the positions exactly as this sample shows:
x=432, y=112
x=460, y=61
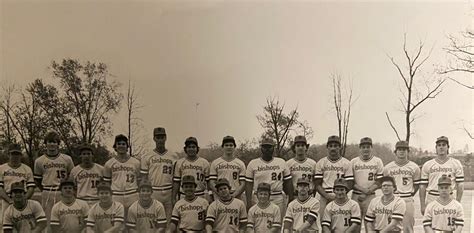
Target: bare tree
x=460, y=50
x=412, y=97
x=135, y=126
x=6, y=106
x=342, y=97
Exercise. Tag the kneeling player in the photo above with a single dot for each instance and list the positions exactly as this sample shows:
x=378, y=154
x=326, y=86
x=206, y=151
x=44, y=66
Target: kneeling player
x=302, y=212
x=226, y=214
x=264, y=216
x=444, y=214
x=342, y=214
x=107, y=215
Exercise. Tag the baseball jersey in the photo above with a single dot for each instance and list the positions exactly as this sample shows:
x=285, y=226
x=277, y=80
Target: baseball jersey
x=198, y=168
x=263, y=219
x=329, y=171
x=70, y=217
x=101, y=220
x=444, y=216
x=339, y=217
x=23, y=221
x=406, y=177
x=365, y=172
x=146, y=220
x=159, y=169
x=123, y=175
x=226, y=216
x=86, y=181
x=298, y=212
x=434, y=169
x=302, y=169
x=273, y=172
x=52, y=170
x=233, y=171
x=381, y=213
x=9, y=175
x=190, y=215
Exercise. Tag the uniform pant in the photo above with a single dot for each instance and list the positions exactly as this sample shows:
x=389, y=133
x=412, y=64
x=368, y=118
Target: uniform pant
x=164, y=196
x=409, y=217
x=48, y=199
x=127, y=200
x=363, y=202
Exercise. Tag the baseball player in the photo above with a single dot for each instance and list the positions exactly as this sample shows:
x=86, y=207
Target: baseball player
x=122, y=171
x=330, y=168
x=191, y=165
x=444, y=214
x=407, y=177
x=23, y=215
x=86, y=175
x=342, y=214
x=69, y=215
x=226, y=214
x=385, y=213
x=189, y=213
x=301, y=166
x=366, y=169
x=49, y=170
x=433, y=169
x=11, y=172
x=106, y=215
x=158, y=168
x=229, y=167
x=264, y=216
x=146, y=215
x=272, y=170
x=302, y=212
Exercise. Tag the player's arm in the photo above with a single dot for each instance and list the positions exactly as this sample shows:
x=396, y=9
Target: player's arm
x=391, y=226
x=319, y=187
x=3, y=194
x=459, y=190
x=355, y=220
x=38, y=174
x=288, y=188
x=423, y=184
x=326, y=220
x=428, y=229
x=176, y=184
x=54, y=222
x=307, y=224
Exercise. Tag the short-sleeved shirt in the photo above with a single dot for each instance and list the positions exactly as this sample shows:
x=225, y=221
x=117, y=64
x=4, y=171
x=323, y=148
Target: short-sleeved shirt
x=9, y=175
x=70, y=217
x=52, y=170
x=146, y=220
x=302, y=169
x=86, y=181
x=233, y=171
x=23, y=221
x=298, y=212
x=433, y=169
x=160, y=169
x=263, y=219
x=381, y=213
x=198, y=168
x=103, y=219
x=190, y=215
x=366, y=172
x=406, y=177
x=444, y=216
x=226, y=216
x=329, y=171
x=122, y=175
x=339, y=217
x=274, y=172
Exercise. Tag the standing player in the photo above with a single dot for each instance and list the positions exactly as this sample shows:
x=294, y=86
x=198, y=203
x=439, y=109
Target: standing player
x=105, y=216
x=229, y=167
x=302, y=212
x=86, y=175
x=123, y=170
x=11, y=172
x=270, y=170
x=264, y=216
x=158, y=168
x=366, y=168
x=226, y=214
x=191, y=165
x=407, y=177
x=435, y=168
x=23, y=215
x=301, y=166
x=189, y=213
x=444, y=214
x=342, y=214
x=49, y=170
x=69, y=215
x=330, y=168
x=147, y=214
x=385, y=213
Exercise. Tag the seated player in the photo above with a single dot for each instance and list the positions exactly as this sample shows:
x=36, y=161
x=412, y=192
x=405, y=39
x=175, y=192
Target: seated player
x=106, y=216
x=264, y=216
x=302, y=212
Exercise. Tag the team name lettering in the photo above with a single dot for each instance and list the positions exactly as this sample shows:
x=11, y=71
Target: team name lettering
x=14, y=173
x=301, y=209
x=441, y=169
x=88, y=175
x=69, y=211
x=365, y=167
x=23, y=217
x=401, y=172
x=301, y=169
x=228, y=166
x=341, y=212
x=227, y=211
x=191, y=208
x=266, y=168
x=382, y=211
x=122, y=168
x=333, y=168
x=191, y=167
x=54, y=165
x=104, y=216
x=161, y=160
x=444, y=211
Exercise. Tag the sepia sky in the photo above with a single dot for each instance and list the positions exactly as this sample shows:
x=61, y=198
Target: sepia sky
x=229, y=56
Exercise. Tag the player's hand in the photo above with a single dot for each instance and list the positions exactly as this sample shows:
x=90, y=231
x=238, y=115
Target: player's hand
x=423, y=207
x=331, y=196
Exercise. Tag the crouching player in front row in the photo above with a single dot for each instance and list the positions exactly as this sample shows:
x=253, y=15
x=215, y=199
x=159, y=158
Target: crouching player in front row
x=342, y=214
x=106, y=216
x=302, y=212
x=264, y=216
x=444, y=214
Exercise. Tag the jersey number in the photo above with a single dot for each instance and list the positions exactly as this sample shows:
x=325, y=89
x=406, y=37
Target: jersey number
x=199, y=176
x=94, y=183
x=235, y=175
x=347, y=222
x=371, y=176
x=276, y=176
x=306, y=176
x=405, y=180
x=451, y=221
x=130, y=178
x=61, y=174
x=167, y=170
x=234, y=221
x=201, y=215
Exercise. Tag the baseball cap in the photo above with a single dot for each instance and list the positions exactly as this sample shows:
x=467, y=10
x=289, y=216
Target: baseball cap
x=264, y=187
x=227, y=139
x=85, y=147
x=302, y=181
x=18, y=186
x=387, y=178
x=14, y=148
x=222, y=181
x=401, y=144
x=334, y=138
x=68, y=181
x=365, y=140
x=267, y=141
x=144, y=183
x=103, y=185
x=300, y=138
x=190, y=140
x=159, y=131
x=444, y=179
x=442, y=139
x=51, y=136
x=188, y=180
x=341, y=182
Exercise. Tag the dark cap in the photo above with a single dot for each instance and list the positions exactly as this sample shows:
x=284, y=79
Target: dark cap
x=264, y=187
x=302, y=181
x=442, y=139
x=103, y=185
x=267, y=141
x=401, y=144
x=144, y=183
x=52, y=136
x=387, y=178
x=301, y=139
x=444, y=179
x=227, y=139
x=159, y=131
x=335, y=139
x=341, y=182
x=222, y=181
x=17, y=186
x=85, y=147
x=188, y=180
x=14, y=148
x=68, y=181
x=191, y=140
x=365, y=140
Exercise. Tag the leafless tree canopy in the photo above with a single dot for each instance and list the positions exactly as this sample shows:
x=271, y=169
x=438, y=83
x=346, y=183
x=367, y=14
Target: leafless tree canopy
x=460, y=50
x=135, y=124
